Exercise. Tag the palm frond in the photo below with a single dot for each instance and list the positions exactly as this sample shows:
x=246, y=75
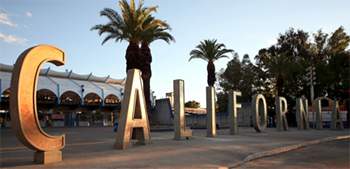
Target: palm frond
x=210, y=51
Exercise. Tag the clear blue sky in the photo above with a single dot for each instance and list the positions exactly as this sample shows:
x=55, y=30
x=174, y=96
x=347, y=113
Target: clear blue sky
x=242, y=25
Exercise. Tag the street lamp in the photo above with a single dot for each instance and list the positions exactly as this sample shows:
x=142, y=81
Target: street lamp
x=310, y=71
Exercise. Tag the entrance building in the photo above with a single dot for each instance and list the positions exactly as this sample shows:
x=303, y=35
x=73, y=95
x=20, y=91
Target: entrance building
x=68, y=99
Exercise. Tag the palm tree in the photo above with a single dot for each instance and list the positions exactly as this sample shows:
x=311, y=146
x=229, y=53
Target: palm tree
x=153, y=31
x=278, y=66
x=135, y=26
x=210, y=51
x=126, y=27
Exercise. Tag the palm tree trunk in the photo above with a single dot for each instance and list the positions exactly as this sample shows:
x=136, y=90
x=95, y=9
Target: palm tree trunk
x=211, y=73
x=133, y=56
x=280, y=82
x=146, y=75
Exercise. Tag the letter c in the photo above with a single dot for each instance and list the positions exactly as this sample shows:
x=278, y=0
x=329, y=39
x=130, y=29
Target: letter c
x=24, y=114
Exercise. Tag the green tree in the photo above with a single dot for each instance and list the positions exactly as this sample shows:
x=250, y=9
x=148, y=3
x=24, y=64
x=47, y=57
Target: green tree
x=192, y=104
x=237, y=76
x=328, y=53
x=295, y=42
x=279, y=67
x=210, y=51
x=332, y=61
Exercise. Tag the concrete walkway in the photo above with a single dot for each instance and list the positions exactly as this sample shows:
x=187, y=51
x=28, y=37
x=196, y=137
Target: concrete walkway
x=92, y=147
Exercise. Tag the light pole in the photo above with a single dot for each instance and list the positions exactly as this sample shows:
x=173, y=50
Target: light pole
x=311, y=70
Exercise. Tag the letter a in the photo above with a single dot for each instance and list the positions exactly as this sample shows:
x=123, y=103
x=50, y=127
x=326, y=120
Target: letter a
x=282, y=123
x=25, y=123
x=336, y=121
x=133, y=114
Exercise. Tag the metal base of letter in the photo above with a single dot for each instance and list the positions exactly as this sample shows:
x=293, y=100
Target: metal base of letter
x=186, y=135
x=144, y=142
x=46, y=157
x=211, y=118
x=179, y=112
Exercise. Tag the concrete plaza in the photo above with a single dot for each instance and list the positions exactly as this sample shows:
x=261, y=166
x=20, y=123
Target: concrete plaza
x=92, y=147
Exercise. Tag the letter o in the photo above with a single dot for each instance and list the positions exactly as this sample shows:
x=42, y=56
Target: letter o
x=257, y=110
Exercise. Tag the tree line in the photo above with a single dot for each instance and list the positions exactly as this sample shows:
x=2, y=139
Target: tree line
x=282, y=69
x=279, y=70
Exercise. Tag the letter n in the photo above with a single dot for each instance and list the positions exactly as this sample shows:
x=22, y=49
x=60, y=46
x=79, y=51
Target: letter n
x=133, y=114
x=281, y=110
x=336, y=121
x=302, y=114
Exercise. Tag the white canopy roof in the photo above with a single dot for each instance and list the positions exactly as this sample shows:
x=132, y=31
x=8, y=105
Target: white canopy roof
x=61, y=82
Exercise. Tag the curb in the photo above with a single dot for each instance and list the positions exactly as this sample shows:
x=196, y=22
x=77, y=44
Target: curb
x=289, y=148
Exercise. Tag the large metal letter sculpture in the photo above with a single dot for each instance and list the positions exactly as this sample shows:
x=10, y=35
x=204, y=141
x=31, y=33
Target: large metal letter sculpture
x=232, y=115
x=302, y=114
x=133, y=114
x=336, y=121
x=259, y=110
x=179, y=112
x=282, y=123
x=211, y=118
x=24, y=114
x=318, y=123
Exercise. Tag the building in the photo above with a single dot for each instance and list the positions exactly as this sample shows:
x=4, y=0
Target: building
x=68, y=99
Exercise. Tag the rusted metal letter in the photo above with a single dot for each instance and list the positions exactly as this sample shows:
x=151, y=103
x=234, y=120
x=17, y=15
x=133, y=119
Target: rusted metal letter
x=24, y=114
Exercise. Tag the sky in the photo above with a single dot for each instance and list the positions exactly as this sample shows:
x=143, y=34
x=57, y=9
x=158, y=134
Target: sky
x=246, y=26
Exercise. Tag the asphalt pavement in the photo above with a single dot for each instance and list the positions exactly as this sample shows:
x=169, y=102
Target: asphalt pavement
x=92, y=147
x=332, y=154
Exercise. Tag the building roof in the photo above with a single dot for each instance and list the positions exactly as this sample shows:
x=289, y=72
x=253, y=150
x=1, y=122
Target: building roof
x=69, y=88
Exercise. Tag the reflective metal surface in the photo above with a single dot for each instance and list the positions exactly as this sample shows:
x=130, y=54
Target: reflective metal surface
x=133, y=113
x=259, y=109
x=211, y=118
x=281, y=110
x=24, y=114
x=233, y=105
x=336, y=121
x=302, y=114
x=179, y=112
x=318, y=123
